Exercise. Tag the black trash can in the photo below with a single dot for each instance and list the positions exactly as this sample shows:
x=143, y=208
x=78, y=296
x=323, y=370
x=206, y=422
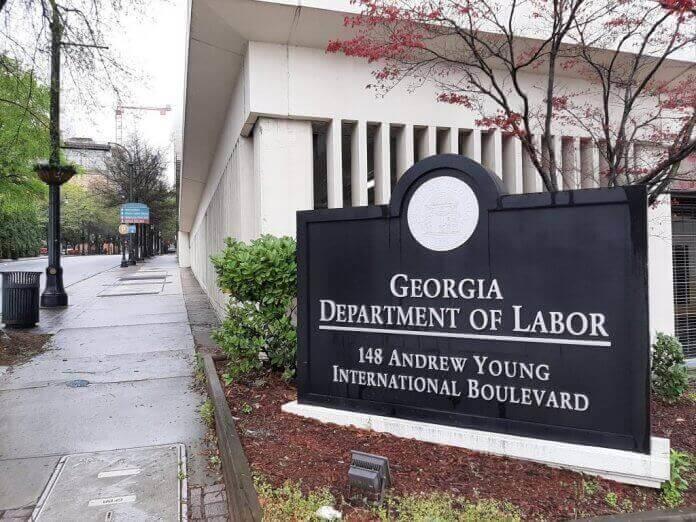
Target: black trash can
x=20, y=299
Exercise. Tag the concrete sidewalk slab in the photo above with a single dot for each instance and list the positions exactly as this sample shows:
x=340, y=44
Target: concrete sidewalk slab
x=119, y=367
x=121, y=290
x=23, y=480
x=137, y=338
x=99, y=417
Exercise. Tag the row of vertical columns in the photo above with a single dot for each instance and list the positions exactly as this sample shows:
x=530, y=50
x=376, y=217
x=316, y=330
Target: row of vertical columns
x=578, y=161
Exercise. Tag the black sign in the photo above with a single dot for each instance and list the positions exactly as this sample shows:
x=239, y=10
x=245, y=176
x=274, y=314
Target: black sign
x=458, y=304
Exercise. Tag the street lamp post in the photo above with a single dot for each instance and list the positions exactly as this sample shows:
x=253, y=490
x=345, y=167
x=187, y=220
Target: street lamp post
x=54, y=175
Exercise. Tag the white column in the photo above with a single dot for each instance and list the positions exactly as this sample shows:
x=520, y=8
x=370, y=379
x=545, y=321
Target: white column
x=492, y=153
x=382, y=164
x=358, y=166
x=589, y=164
x=427, y=143
x=472, y=145
x=571, y=163
x=404, y=150
x=284, y=173
x=512, y=165
x=451, y=143
x=183, y=249
x=557, y=148
x=334, y=165
x=531, y=180
x=660, y=267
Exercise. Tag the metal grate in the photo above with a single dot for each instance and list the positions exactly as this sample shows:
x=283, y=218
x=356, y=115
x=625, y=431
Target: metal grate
x=684, y=271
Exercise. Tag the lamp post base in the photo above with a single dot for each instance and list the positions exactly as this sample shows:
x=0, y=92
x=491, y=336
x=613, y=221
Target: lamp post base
x=54, y=294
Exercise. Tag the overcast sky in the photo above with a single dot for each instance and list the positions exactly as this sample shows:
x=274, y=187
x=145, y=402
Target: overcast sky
x=152, y=44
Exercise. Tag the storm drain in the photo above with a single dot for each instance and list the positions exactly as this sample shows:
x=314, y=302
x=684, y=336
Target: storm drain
x=143, y=484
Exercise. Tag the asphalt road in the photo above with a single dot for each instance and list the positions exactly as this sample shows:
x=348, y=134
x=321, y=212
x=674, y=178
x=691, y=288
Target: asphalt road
x=75, y=268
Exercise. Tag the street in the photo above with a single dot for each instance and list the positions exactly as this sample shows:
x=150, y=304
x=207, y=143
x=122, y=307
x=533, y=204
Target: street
x=75, y=268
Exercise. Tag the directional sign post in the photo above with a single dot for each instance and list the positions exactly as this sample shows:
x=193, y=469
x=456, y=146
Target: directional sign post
x=135, y=213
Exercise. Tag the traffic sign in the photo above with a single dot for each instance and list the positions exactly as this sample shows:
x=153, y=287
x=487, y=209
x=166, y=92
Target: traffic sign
x=123, y=229
x=135, y=213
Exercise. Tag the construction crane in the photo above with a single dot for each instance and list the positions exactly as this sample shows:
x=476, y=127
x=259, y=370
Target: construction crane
x=121, y=108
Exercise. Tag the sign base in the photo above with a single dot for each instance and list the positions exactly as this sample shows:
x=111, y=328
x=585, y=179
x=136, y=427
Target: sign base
x=612, y=464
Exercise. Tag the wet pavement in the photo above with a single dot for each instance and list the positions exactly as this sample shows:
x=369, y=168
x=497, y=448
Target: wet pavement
x=118, y=374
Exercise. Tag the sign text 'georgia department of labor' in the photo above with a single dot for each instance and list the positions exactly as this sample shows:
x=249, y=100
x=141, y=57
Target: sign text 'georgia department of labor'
x=458, y=304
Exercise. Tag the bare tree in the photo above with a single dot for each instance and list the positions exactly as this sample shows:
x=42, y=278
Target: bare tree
x=608, y=68
x=136, y=173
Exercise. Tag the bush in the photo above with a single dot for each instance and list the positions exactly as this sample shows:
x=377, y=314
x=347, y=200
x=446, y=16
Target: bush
x=673, y=489
x=260, y=278
x=669, y=375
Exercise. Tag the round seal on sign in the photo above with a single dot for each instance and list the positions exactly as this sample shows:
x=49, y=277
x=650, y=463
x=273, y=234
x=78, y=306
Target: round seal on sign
x=443, y=213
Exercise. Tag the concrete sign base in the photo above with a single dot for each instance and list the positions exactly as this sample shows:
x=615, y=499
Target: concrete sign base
x=146, y=483
x=648, y=470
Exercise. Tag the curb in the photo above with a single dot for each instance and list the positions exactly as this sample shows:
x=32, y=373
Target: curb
x=242, y=499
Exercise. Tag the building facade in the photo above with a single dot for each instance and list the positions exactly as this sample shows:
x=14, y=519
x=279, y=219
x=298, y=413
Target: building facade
x=274, y=124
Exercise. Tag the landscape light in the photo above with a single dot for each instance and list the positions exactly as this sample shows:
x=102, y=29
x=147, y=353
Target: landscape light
x=369, y=473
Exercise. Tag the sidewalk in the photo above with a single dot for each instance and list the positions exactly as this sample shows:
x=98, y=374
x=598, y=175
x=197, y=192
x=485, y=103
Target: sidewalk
x=119, y=374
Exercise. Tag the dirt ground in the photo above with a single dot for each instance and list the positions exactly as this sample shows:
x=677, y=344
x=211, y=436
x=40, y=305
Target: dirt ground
x=282, y=446
x=18, y=346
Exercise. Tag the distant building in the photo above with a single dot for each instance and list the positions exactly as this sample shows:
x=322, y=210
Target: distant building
x=88, y=154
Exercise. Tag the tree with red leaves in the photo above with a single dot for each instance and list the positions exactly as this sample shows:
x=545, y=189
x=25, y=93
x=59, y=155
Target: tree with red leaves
x=605, y=70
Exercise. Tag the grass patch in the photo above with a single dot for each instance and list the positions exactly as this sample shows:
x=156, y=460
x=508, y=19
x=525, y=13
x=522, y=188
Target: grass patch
x=443, y=507
x=207, y=411
x=289, y=503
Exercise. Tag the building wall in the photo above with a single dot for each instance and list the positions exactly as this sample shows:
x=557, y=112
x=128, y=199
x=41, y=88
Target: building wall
x=263, y=171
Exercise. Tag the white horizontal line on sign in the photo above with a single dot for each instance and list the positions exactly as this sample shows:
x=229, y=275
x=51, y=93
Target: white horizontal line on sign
x=511, y=338
x=112, y=500
x=119, y=473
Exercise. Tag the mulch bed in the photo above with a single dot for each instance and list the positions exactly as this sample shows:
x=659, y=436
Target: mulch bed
x=282, y=446
x=18, y=346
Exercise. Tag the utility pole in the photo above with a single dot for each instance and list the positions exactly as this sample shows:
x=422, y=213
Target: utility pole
x=54, y=174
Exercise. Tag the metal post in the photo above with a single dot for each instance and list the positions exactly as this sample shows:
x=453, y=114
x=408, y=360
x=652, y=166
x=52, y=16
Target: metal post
x=124, y=261
x=54, y=293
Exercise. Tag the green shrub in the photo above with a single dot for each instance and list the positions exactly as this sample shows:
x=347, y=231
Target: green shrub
x=669, y=375
x=260, y=278
x=673, y=489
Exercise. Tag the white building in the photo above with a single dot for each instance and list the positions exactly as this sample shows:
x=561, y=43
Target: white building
x=274, y=124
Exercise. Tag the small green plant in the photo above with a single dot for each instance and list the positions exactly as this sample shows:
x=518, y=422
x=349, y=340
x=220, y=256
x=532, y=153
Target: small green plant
x=289, y=503
x=207, y=411
x=246, y=408
x=199, y=371
x=612, y=500
x=443, y=507
x=673, y=489
x=227, y=378
x=590, y=487
x=214, y=461
x=260, y=278
x=668, y=375
x=626, y=505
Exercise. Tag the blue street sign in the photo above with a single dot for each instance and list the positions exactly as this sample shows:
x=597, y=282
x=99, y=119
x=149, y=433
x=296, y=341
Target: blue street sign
x=132, y=229
x=135, y=213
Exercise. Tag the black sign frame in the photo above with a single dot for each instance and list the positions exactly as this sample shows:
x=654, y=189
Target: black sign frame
x=318, y=250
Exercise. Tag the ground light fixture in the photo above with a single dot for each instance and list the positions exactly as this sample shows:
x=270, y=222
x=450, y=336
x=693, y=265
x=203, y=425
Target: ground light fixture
x=369, y=473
